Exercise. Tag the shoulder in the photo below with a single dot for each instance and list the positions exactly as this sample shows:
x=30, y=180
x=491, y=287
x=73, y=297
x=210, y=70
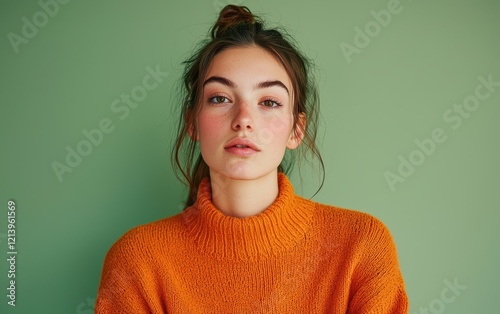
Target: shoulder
x=352, y=217
x=147, y=239
x=362, y=237
x=349, y=223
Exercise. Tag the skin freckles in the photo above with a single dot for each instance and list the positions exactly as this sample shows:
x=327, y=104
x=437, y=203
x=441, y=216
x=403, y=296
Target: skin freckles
x=244, y=125
x=243, y=111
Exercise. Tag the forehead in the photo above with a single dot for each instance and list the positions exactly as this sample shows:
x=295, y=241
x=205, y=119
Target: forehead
x=247, y=66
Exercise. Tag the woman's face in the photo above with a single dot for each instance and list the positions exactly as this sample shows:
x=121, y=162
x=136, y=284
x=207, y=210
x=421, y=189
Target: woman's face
x=245, y=121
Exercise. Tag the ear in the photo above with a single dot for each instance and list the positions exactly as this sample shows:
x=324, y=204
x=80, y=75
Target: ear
x=297, y=133
x=193, y=134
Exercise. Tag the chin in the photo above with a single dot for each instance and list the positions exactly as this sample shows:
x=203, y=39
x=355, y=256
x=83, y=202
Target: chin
x=247, y=174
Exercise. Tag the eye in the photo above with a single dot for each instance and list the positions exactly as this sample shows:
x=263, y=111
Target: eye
x=218, y=99
x=271, y=103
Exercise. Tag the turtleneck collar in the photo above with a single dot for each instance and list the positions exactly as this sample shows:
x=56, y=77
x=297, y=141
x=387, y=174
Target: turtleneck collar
x=277, y=228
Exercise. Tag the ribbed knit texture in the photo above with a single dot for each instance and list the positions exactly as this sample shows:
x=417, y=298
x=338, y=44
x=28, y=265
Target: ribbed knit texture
x=297, y=256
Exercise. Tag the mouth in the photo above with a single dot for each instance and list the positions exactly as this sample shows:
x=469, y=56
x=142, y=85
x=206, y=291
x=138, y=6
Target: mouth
x=242, y=147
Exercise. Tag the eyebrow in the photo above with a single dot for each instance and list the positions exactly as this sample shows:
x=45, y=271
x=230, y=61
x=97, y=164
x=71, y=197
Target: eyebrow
x=228, y=82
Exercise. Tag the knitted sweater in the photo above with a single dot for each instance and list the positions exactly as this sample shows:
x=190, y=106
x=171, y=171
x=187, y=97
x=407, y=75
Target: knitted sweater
x=297, y=256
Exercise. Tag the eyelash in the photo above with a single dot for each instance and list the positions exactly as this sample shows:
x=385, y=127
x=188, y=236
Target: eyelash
x=275, y=101
x=211, y=100
x=277, y=104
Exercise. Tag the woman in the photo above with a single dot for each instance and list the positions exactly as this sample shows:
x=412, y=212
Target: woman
x=245, y=243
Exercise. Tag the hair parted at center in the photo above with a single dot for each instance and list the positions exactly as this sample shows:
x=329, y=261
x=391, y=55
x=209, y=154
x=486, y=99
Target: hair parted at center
x=238, y=27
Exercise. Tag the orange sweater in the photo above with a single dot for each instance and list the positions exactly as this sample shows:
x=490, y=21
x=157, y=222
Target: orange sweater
x=297, y=256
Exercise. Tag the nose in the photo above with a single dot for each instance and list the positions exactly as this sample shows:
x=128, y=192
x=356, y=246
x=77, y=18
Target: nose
x=243, y=119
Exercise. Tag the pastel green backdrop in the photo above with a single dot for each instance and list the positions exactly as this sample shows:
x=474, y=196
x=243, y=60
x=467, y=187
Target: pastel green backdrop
x=410, y=134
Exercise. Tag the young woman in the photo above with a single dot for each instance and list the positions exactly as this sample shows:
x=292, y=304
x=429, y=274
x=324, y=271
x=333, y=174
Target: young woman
x=246, y=243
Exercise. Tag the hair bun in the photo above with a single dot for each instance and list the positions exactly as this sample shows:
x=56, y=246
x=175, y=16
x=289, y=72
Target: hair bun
x=232, y=15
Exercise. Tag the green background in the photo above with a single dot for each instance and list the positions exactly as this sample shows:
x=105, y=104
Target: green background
x=429, y=56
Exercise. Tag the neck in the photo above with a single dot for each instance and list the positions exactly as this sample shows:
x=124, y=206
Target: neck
x=243, y=198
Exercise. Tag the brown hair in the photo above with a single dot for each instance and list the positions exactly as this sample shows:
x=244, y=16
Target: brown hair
x=237, y=27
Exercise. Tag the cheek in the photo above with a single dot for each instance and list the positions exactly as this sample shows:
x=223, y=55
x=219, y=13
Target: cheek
x=278, y=128
x=209, y=125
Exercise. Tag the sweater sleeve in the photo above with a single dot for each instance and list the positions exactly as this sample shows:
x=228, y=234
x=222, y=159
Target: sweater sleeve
x=122, y=287
x=377, y=283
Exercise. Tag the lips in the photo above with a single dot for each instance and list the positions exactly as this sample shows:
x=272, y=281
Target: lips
x=242, y=147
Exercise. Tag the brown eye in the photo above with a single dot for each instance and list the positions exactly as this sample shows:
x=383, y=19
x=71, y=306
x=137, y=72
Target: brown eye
x=271, y=103
x=218, y=99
